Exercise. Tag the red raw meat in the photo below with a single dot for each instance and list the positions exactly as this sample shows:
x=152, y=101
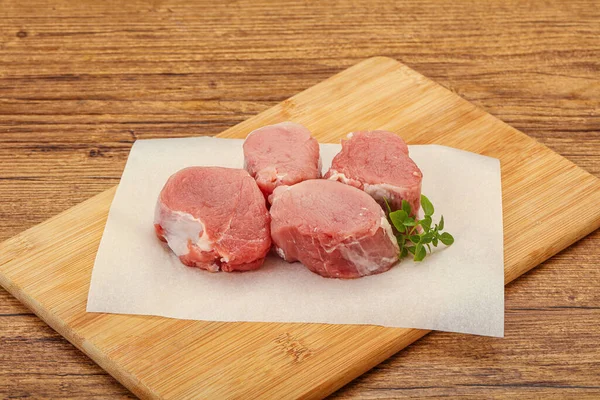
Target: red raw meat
x=335, y=230
x=214, y=218
x=378, y=163
x=281, y=154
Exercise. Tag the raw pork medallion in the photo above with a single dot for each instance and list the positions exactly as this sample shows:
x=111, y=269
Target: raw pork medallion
x=214, y=218
x=335, y=230
x=281, y=154
x=378, y=163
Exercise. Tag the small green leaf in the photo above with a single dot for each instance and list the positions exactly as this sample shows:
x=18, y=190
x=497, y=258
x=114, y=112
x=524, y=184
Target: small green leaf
x=387, y=205
x=427, y=237
x=406, y=207
x=403, y=253
x=427, y=206
x=401, y=239
x=401, y=242
x=409, y=222
x=420, y=253
x=418, y=247
x=425, y=223
x=447, y=238
x=398, y=218
x=414, y=238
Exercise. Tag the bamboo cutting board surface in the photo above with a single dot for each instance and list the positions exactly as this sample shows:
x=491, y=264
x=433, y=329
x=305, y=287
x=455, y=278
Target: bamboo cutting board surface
x=548, y=204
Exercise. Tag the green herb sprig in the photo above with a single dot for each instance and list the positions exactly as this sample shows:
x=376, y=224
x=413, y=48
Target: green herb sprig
x=410, y=238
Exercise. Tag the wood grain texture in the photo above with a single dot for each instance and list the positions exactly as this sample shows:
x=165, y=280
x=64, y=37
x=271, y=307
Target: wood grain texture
x=48, y=267
x=78, y=82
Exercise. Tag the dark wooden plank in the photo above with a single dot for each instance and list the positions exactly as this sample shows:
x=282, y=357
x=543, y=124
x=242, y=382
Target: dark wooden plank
x=550, y=349
x=80, y=81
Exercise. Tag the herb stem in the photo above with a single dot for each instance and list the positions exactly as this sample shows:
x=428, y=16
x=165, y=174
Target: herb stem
x=407, y=230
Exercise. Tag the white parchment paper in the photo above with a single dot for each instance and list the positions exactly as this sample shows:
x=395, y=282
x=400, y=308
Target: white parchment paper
x=459, y=288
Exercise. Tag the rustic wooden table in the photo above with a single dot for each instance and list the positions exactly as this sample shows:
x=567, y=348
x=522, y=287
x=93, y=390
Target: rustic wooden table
x=80, y=81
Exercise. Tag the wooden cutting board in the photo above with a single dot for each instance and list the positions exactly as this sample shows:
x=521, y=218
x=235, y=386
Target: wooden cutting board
x=548, y=204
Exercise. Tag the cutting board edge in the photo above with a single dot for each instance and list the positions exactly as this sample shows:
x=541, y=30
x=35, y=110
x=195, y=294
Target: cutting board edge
x=412, y=336
x=332, y=384
x=143, y=391
x=85, y=347
x=58, y=324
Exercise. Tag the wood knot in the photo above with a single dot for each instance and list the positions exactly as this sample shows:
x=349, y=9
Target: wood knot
x=21, y=34
x=133, y=134
x=293, y=347
x=96, y=153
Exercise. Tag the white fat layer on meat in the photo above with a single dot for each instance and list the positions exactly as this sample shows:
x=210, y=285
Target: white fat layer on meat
x=181, y=227
x=356, y=254
x=377, y=191
x=280, y=252
x=338, y=176
x=364, y=264
x=387, y=228
x=380, y=191
x=213, y=267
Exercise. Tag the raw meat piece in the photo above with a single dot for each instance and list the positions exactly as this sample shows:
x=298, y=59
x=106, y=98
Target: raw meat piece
x=335, y=230
x=214, y=218
x=281, y=154
x=378, y=163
